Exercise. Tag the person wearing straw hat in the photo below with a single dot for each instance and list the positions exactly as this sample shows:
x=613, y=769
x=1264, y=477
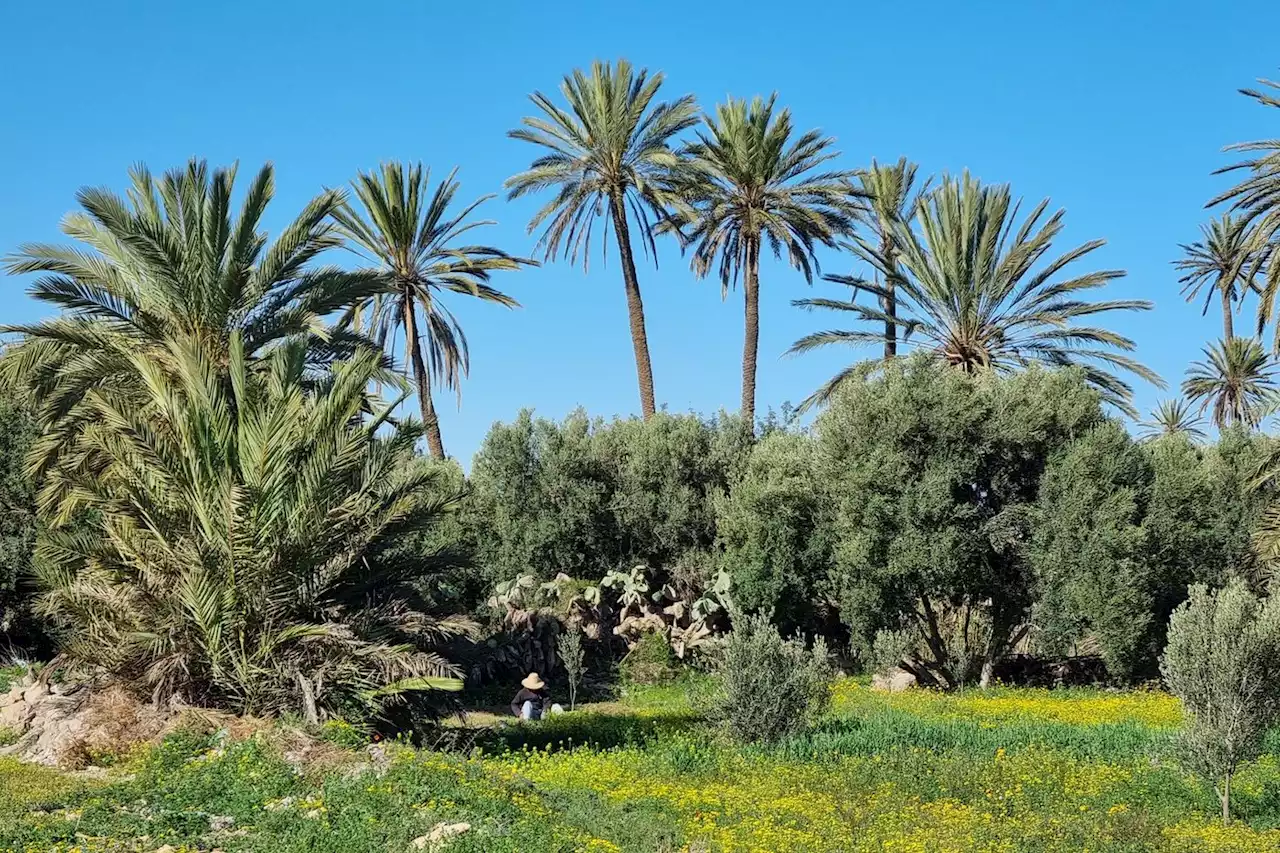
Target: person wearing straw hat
x=531, y=698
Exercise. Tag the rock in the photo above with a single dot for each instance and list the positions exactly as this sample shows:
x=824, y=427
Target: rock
x=15, y=716
x=35, y=693
x=437, y=839
x=168, y=848
x=221, y=823
x=895, y=680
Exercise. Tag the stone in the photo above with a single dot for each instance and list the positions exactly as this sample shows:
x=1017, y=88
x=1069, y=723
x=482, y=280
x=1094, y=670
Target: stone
x=895, y=680
x=35, y=693
x=437, y=839
x=221, y=823
x=15, y=716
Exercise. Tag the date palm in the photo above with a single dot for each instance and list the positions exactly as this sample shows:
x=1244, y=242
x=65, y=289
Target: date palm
x=1256, y=198
x=1236, y=380
x=974, y=288
x=1221, y=264
x=1172, y=417
x=606, y=155
x=891, y=199
x=747, y=182
x=414, y=237
x=242, y=542
x=171, y=263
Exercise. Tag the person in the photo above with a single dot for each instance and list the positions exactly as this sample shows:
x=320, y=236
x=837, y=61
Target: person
x=531, y=698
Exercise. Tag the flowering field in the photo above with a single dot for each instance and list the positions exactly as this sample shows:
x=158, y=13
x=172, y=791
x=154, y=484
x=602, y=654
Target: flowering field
x=1009, y=770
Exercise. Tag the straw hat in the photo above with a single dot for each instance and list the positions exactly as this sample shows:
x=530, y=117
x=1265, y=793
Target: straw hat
x=532, y=682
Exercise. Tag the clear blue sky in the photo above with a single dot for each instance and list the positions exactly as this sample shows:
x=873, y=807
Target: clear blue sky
x=1116, y=111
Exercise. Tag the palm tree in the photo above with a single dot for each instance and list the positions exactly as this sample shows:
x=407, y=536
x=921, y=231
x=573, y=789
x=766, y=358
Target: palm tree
x=413, y=237
x=1222, y=264
x=241, y=547
x=890, y=202
x=1172, y=417
x=1237, y=380
x=609, y=151
x=1257, y=199
x=747, y=183
x=172, y=262
x=972, y=291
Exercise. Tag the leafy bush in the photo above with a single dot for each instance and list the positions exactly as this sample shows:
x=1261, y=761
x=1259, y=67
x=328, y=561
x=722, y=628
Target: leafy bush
x=770, y=687
x=1223, y=662
x=650, y=661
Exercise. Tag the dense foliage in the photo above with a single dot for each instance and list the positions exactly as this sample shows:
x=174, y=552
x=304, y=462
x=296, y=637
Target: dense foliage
x=223, y=518
x=17, y=521
x=587, y=496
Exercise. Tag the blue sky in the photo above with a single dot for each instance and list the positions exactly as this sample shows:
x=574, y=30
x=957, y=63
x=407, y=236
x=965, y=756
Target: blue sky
x=1116, y=111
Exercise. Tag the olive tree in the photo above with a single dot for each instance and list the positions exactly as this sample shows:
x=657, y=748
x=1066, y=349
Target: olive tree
x=1223, y=662
x=934, y=476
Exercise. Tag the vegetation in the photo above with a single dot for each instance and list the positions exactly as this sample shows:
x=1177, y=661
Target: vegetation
x=1256, y=198
x=1221, y=264
x=1222, y=661
x=609, y=153
x=415, y=241
x=246, y=552
x=569, y=646
x=17, y=521
x=1236, y=381
x=1173, y=417
x=745, y=184
x=967, y=289
x=1055, y=771
x=770, y=687
x=206, y=500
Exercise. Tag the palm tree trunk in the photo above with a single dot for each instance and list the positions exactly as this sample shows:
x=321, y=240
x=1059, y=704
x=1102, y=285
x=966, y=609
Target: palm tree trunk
x=751, y=339
x=635, y=307
x=430, y=419
x=1227, y=327
x=889, y=304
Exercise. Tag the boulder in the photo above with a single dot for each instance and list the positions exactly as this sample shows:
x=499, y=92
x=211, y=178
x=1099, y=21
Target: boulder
x=895, y=680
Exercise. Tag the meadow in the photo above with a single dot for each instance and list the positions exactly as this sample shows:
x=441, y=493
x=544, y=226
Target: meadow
x=1002, y=770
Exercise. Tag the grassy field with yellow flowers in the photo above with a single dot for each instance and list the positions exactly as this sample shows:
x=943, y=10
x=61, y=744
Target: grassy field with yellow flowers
x=1004, y=770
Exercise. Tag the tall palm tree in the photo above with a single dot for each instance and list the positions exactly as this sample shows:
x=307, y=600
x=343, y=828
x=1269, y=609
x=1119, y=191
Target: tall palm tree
x=1172, y=417
x=747, y=183
x=890, y=202
x=1257, y=199
x=971, y=289
x=1222, y=264
x=410, y=232
x=608, y=153
x=172, y=262
x=1237, y=379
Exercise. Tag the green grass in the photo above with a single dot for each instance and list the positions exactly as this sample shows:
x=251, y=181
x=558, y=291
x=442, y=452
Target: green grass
x=1007, y=770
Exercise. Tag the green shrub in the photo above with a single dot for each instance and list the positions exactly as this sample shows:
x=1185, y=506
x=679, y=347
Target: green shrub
x=769, y=687
x=1223, y=662
x=342, y=733
x=650, y=661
